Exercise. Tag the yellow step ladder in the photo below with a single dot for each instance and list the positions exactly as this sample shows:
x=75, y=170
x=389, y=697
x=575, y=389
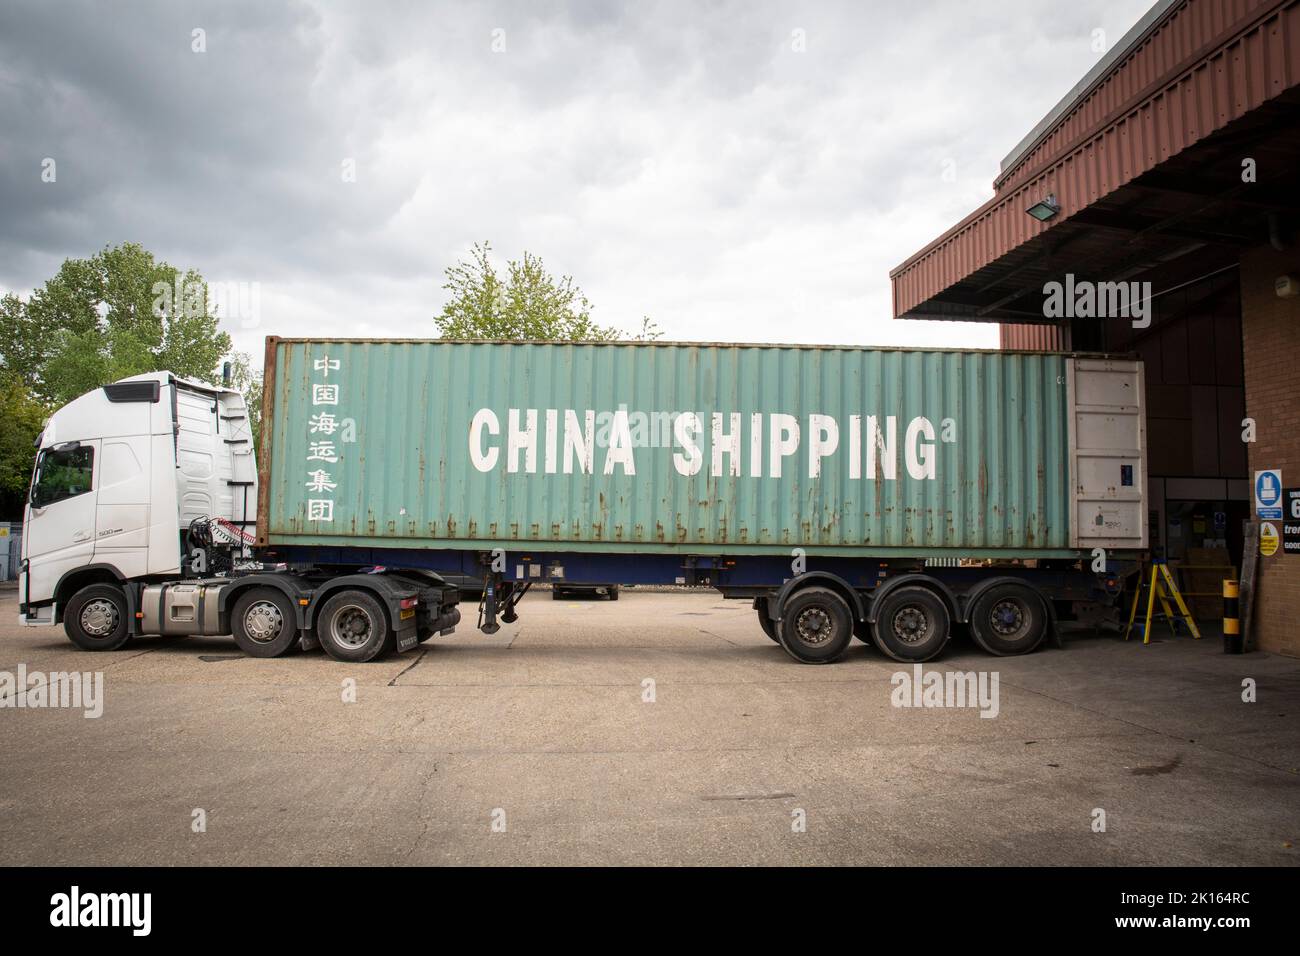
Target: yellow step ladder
x=1161, y=588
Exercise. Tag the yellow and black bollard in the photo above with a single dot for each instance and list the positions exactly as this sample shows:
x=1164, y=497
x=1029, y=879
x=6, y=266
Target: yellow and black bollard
x=1231, y=620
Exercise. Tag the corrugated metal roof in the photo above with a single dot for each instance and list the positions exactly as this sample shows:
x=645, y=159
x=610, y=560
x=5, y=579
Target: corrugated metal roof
x=1032, y=338
x=1104, y=66
x=1204, y=65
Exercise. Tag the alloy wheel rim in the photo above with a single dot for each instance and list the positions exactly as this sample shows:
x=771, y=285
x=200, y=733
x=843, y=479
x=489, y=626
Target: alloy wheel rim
x=263, y=622
x=99, y=618
x=351, y=626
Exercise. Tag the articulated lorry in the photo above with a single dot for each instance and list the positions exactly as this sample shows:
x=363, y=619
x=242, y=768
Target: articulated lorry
x=887, y=494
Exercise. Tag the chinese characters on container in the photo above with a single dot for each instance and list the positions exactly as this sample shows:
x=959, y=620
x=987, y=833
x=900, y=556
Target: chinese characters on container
x=321, y=427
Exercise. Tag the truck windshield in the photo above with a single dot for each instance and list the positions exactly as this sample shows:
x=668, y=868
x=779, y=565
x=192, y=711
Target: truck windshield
x=62, y=474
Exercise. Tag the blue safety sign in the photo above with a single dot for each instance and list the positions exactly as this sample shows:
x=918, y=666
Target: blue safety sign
x=1268, y=494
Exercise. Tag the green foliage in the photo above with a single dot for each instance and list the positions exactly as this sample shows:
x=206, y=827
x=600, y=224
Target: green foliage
x=118, y=313
x=528, y=303
x=649, y=331
x=21, y=422
x=22, y=346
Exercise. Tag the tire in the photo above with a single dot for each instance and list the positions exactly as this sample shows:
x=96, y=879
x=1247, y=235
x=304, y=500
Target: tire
x=264, y=622
x=816, y=626
x=768, y=625
x=95, y=618
x=353, y=627
x=1008, y=619
x=556, y=594
x=613, y=592
x=912, y=624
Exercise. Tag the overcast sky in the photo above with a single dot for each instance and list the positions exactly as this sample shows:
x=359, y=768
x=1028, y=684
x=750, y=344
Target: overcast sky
x=736, y=171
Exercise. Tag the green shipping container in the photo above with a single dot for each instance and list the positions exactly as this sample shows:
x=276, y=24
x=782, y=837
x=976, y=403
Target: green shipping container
x=700, y=448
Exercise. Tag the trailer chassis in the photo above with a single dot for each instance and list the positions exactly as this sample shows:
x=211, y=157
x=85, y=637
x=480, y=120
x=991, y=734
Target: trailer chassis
x=906, y=606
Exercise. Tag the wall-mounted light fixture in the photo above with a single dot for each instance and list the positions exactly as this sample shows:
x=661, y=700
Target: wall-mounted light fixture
x=1044, y=209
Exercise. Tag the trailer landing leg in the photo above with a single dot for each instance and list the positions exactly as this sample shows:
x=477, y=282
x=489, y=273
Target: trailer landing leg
x=487, y=610
x=500, y=598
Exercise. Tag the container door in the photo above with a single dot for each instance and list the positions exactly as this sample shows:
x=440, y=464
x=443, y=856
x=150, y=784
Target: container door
x=1107, y=453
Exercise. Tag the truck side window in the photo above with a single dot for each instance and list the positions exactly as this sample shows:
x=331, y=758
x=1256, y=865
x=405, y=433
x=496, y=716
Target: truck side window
x=63, y=474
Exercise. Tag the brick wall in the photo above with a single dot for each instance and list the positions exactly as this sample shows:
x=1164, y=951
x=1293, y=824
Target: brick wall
x=1271, y=340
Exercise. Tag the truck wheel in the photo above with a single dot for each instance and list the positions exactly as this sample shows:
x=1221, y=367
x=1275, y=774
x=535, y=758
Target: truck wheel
x=1008, y=619
x=912, y=624
x=95, y=618
x=612, y=590
x=352, y=627
x=768, y=625
x=816, y=626
x=263, y=622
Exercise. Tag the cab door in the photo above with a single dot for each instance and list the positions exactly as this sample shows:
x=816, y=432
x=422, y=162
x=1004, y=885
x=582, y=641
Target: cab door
x=60, y=515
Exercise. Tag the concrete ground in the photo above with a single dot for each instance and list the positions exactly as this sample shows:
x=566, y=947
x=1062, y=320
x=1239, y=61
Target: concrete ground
x=536, y=746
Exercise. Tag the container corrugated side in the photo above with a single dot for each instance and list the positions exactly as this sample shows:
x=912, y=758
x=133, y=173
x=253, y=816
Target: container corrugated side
x=396, y=469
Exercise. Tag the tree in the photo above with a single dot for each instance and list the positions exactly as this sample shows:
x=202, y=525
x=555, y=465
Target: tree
x=118, y=313
x=22, y=349
x=22, y=421
x=528, y=303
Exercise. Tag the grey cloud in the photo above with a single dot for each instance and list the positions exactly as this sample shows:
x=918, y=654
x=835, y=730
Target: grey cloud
x=678, y=159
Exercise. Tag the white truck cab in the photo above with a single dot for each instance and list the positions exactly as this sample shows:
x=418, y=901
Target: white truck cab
x=120, y=475
x=142, y=507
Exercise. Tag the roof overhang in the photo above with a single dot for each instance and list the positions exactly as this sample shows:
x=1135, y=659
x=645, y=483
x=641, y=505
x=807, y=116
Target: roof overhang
x=1162, y=175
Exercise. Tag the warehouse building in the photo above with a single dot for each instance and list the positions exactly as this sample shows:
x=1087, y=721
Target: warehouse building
x=1156, y=210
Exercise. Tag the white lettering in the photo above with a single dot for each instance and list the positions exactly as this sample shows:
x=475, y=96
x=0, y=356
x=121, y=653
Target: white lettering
x=484, y=418
x=685, y=429
x=620, y=445
x=522, y=438
x=920, y=461
x=824, y=438
x=728, y=444
x=784, y=442
x=881, y=449
x=579, y=442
